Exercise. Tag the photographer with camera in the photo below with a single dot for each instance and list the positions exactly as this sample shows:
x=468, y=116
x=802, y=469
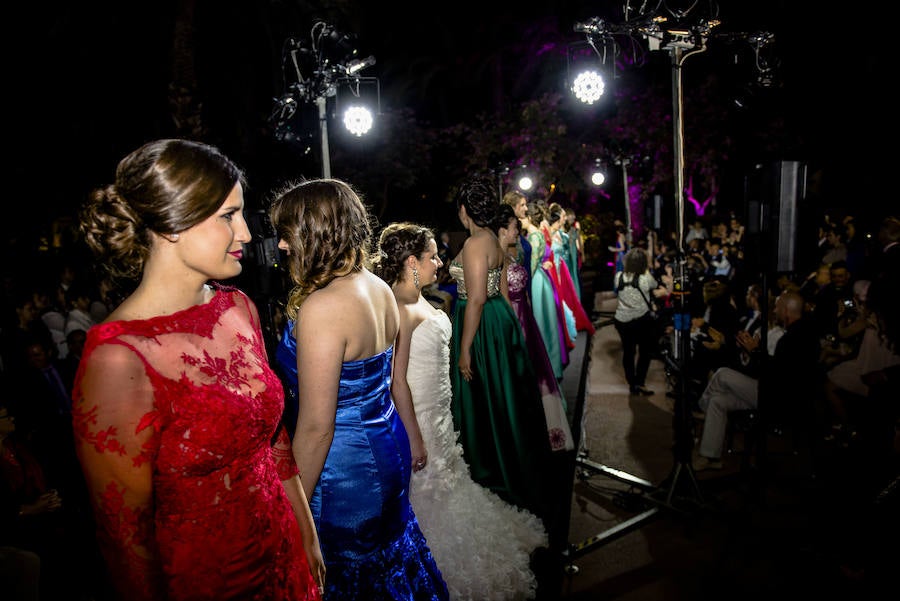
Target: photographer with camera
x=634, y=318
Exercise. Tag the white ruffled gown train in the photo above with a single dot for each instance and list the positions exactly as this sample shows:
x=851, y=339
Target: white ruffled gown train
x=481, y=544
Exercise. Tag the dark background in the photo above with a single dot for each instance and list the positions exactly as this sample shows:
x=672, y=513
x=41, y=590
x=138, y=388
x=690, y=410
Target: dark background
x=87, y=83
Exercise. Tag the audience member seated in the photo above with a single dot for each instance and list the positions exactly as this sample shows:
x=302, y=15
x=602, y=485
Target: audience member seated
x=835, y=250
x=829, y=301
x=852, y=321
x=53, y=316
x=751, y=324
x=787, y=380
x=79, y=298
x=815, y=281
x=18, y=328
x=40, y=525
x=717, y=260
x=38, y=398
x=713, y=330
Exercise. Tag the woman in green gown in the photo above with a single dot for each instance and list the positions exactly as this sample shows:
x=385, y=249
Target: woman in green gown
x=496, y=404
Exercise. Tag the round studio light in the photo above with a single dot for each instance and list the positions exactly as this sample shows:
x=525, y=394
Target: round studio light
x=358, y=120
x=525, y=183
x=588, y=87
x=597, y=178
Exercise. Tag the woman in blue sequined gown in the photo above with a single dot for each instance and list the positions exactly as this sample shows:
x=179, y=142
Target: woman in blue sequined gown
x=496, y=401
x=352, y=442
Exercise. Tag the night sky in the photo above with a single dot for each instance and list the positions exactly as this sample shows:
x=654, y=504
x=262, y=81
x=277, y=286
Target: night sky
x=86, y=83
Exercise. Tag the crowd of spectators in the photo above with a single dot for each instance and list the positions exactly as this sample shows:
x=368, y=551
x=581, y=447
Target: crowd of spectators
x=812, y=354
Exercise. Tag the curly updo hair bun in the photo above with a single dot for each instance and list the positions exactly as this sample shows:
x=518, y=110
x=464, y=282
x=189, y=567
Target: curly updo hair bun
x=536, y=212
x=478, y=195
x=398, y=242
x=163, y=187
x=505, y=214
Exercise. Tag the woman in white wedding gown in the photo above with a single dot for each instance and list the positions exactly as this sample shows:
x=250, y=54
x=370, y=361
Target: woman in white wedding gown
x=481, y=544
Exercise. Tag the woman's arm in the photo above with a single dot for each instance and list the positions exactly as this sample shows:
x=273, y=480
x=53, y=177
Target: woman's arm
x=300, y=505
x=320, y=356
x=537, y=250
x=475, y=268
x=115, y=426
x=400, y=391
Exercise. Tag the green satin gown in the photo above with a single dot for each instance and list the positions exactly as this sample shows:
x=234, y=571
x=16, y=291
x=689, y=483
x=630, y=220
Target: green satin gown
x=499, y=413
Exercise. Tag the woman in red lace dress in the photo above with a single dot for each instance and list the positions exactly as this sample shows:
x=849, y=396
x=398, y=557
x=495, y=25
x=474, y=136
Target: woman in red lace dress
x=175, y=405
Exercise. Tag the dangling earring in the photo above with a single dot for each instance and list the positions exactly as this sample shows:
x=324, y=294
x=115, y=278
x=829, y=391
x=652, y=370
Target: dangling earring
x=416, y=278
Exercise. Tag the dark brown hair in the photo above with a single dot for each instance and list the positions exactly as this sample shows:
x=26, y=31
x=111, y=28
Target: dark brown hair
x=163, y=187
x=398, y=242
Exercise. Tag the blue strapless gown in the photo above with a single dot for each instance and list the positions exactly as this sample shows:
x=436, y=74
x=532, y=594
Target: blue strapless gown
x=370, y=538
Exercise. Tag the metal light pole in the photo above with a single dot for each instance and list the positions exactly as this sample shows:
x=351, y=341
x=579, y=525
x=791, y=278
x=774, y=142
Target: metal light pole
x=682, y=322
x=625, y=163
x=323, y=132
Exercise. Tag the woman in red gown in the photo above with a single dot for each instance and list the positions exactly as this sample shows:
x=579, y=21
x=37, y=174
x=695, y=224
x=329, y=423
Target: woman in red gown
x=175, y=405
x=555, y=218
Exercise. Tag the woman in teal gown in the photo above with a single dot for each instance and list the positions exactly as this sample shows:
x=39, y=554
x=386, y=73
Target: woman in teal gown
x=545, y=302
x=496, y=405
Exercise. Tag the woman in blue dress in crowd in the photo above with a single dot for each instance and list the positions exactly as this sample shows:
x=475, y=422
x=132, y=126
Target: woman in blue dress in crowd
x=352, y=443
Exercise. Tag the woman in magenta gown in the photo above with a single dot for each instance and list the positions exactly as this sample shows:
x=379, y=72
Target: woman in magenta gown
x=175, y=405
x=558, y=431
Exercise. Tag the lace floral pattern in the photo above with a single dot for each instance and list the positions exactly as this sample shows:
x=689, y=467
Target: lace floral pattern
x=174, y=439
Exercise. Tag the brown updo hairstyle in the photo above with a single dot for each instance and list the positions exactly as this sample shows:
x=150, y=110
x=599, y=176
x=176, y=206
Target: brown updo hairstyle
x=163, y=187
x=505, y=214
x=398, y=242
x=477, y=194
x=328, y=230
x=535, y=213
x=554, y=212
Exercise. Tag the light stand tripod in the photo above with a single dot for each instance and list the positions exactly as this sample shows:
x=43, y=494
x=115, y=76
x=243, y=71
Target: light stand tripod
x=663, y=495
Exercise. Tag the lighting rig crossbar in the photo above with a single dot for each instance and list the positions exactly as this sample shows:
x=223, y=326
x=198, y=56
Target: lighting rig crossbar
x=681, y=37
x=320, y=66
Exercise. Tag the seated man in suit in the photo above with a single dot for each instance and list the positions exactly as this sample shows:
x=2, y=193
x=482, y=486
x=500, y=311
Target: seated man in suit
x=793, y=366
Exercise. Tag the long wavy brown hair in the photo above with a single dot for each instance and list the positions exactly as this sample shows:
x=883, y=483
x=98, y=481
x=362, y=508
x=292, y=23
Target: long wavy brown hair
x=328, y=231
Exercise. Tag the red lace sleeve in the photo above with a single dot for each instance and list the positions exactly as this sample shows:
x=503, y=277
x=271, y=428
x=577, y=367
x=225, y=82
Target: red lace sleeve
x=115, y=438
x=284, y=456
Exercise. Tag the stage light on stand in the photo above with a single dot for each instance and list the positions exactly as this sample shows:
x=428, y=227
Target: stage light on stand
x=588, y=86
x=525, y=183
x=358, y=120
x=598, y=174
x=591, y=61
x=321, y=70
x=357, y=102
